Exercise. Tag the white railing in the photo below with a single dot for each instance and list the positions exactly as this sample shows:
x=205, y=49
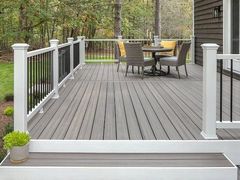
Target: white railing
x=36, y=76
x=60, y=63
x=104, y=50
x=210, y=121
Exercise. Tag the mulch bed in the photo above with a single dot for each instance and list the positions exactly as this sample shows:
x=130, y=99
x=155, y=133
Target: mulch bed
x=6, y=56
x=4, y=120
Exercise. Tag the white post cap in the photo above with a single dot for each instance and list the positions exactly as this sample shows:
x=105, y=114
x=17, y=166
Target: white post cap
x=119, y=37
x=71, y=39
x=210, y=46
x=20, y=46
x=54, y=42
x=81, y=37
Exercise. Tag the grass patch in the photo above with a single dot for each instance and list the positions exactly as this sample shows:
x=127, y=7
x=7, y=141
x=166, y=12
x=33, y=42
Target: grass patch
x=6, y=79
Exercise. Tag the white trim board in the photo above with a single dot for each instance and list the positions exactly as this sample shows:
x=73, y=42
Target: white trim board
x=120, y=173
x=228, y=147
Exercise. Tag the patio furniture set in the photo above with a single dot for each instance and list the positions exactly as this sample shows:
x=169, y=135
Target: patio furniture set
x=165, y=54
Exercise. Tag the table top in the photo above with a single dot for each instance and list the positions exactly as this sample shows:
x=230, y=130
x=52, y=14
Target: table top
x=155, y=49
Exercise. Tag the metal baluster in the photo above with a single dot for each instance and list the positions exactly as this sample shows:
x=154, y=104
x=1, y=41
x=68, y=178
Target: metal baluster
x=231, y=93
x=221, y=89
x=41, y=76
x=28, y=77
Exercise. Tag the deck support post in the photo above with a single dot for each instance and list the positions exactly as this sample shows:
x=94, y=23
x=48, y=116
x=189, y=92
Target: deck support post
x=209, y=90
x=20, y=86
x=82, y=50
x=192, y=55
x=54, y=43
x=70, y=40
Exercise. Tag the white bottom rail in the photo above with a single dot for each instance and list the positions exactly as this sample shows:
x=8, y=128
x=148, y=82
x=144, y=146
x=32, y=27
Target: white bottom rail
x=228, y=125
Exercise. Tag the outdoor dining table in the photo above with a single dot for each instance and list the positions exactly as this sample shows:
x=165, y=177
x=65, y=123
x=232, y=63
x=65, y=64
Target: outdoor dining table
x=154, y=50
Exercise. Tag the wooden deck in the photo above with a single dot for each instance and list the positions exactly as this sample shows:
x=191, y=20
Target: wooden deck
x=101, y=104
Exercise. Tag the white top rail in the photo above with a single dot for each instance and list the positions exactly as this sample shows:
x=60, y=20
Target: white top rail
x=229, y=56
x=137, y=39
x=64, y=45
x=102, y=40
x=39, y=51
x=77, y=41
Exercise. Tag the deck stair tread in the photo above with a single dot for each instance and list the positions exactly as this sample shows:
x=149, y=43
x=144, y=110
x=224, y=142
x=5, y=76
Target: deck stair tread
x=124, y=160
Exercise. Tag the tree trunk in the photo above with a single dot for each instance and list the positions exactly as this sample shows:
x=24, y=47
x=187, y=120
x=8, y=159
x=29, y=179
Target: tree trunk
x=158, y=18
x=117, y=21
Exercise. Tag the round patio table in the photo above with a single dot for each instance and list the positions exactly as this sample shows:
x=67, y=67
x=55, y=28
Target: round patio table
x=154, y=50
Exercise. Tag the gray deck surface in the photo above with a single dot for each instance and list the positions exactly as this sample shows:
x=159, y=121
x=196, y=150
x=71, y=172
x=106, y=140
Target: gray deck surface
x=101, y=104
x=124, y=160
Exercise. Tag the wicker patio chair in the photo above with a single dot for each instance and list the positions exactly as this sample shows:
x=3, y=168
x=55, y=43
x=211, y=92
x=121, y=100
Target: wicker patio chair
x=121, y=54
x=177, y=61
x=167, y=44
x=135, y=57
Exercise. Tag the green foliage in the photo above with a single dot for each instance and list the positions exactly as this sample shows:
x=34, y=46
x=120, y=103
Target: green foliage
x=9, y=97
x=6, y=80
x=8, y=111
x=36, y=22
x=8, y=128
x=15, y=139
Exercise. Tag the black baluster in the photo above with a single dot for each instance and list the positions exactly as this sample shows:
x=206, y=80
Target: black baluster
x=231, y=93
x=221, y=89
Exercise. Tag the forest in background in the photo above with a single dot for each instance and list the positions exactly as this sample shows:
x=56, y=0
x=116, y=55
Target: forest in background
x=37, y=21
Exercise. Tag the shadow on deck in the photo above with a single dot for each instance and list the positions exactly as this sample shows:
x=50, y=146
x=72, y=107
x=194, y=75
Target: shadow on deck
x=101, y=104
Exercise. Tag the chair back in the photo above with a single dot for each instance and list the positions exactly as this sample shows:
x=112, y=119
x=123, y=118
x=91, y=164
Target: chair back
x=171, y=45
x=134, y=53
x=121, y=49
x=182, y=56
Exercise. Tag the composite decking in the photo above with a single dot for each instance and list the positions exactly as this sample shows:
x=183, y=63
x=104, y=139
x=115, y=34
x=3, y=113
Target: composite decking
x=123, y=160
x=103, y=104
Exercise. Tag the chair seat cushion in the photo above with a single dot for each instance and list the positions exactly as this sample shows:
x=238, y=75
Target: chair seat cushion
x=148, y=59
x=173, y=60
x=149, y=62
x=122, y=59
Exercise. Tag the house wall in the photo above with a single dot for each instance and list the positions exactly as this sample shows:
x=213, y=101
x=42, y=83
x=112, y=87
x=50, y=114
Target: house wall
x=207, y=28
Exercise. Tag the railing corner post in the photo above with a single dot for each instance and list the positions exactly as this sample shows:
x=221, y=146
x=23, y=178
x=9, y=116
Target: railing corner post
x=70, y=40
x=82, y=50
x=156, y=40
x=20, y=86
x=120, y=37
x=209, y=90
x=54, y=43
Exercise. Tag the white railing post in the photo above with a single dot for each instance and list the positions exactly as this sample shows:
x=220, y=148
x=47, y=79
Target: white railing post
x=192, y=55
x=209, y=91
x=70, y=40
x=54, y=43
x=20, y=86
x=82, y=50
x=156, y=41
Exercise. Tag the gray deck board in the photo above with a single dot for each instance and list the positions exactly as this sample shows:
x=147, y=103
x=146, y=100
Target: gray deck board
x=124, y=160
x=103, y=104
x=145, y=125
x=133, y=124
x=121, y=120
x=110, y=121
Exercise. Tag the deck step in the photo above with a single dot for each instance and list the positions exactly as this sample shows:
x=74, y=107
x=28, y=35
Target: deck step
x=118, y=166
